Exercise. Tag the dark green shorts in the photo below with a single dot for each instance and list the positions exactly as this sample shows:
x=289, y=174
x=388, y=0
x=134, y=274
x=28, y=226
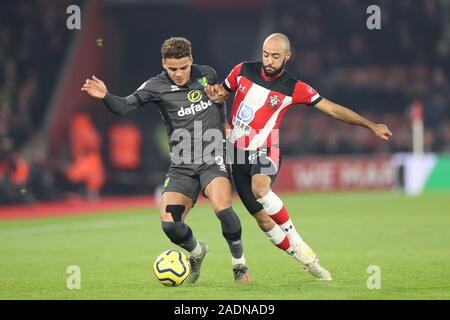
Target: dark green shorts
x=191, y=179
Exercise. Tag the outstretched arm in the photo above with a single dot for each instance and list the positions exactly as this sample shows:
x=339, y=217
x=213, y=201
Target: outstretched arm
x=97, y=89
x=346, y=115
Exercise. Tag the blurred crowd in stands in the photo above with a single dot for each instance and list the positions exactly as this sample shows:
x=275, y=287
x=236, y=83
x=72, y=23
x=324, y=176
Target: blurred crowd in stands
x=378, y=73
x=33, y=43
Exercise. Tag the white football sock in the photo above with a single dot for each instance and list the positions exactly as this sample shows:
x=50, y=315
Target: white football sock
x=271, y=203
x=197, y=250
x=240, y=260
x=276, y=236
x=292, y=234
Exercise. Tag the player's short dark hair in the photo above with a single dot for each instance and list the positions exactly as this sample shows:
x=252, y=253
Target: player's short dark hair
x=176, y=48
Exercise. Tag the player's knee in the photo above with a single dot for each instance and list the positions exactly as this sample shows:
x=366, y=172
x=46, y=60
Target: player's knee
x=175, y=211
x=221, y=206
x=260, y=189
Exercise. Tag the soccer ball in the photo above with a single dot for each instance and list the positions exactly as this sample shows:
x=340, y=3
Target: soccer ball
x=171, y=268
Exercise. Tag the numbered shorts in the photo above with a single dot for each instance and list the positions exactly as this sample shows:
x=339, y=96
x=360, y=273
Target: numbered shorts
x=190, y=180
x=265, y=161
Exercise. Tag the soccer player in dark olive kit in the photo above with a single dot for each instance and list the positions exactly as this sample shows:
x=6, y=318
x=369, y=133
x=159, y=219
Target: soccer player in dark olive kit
x=188, y=113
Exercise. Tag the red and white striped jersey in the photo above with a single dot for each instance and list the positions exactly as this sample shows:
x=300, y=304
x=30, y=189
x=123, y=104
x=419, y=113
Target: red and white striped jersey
x=260, y=103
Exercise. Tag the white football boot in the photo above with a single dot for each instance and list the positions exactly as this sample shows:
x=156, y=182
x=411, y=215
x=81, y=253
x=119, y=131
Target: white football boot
x=309, y=261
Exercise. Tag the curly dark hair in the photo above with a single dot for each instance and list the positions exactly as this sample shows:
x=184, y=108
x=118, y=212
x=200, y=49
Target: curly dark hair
x=176, y=48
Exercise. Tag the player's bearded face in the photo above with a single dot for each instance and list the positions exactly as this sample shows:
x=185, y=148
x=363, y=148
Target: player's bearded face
x=271, y=70
x=179, y=70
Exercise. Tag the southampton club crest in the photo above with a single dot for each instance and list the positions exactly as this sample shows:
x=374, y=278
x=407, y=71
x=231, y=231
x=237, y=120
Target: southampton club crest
x=273, y=101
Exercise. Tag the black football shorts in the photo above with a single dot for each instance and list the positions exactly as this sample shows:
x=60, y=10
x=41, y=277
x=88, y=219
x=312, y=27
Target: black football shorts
x=265, y=161
x=193, y=178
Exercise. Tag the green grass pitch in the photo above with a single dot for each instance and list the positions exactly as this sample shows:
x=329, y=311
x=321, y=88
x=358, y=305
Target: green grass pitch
x=407, y=237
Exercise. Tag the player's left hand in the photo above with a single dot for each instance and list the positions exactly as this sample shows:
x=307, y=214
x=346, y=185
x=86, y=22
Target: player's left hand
x=382, y=131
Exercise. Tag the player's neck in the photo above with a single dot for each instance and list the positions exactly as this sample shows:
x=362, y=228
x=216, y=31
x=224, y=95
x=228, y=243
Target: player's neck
x=267, y=78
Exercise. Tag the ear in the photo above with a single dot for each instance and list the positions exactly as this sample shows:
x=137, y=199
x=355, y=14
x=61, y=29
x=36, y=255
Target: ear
x=163, y=62
x=288, y=55
x=191, y=59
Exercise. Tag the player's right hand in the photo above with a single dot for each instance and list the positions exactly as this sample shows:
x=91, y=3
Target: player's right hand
x=214, y=93
x=95, y=88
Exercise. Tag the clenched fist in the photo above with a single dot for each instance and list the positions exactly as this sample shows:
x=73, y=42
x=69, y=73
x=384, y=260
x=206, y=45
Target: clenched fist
x=382, y=131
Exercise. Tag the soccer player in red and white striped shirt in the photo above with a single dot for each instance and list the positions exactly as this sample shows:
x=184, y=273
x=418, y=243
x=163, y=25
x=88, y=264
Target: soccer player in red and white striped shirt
x=264, y=91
